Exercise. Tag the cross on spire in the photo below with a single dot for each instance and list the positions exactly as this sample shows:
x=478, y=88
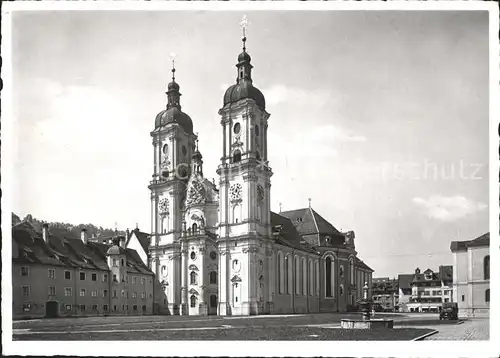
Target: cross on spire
x=244, y=24
x=309, y=202
x=173, y=56
x=280, y=207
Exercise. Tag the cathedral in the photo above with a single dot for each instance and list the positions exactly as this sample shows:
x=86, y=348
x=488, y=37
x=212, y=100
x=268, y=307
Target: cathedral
x=216, y=248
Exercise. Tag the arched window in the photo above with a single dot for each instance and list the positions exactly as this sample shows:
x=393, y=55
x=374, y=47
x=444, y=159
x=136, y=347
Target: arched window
x=213, y=277
x=193, y=301
x=486, y=267
x=341, y=289
x=193, y=277
x=316, y=277
x=304, y=277
x=297, y=275
x=487, y=295
x=235, y=293
x=311, y=278
x=287, y=274
x=236, y=213
x=329, y=279
x=195, y=228
x=236, y=156
x=272, y=281
x=164, y=224
x=122, y=262
x=351, y=270
x=280, y=274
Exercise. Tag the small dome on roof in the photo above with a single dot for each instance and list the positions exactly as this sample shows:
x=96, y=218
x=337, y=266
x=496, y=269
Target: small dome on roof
x=173, y=86
x=115, y=250
x=244, y=57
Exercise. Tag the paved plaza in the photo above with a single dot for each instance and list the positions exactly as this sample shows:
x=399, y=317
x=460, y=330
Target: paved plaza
x=275, y=327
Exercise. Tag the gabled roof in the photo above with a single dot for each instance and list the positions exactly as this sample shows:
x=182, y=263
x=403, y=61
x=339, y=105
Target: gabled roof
x=360, y=263
x=307, y=221
x=142, y=237
x=404, y=281
x=483, y=240
x=286, y=234
x=32, y=248
x=64, y=251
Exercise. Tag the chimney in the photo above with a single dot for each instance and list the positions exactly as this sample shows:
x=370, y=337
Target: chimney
x=45, y=232
x=84, y=236
x=122, y=241
x=127, y=235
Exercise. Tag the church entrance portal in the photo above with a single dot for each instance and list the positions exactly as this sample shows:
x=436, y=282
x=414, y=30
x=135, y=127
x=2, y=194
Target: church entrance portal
x=212, y=310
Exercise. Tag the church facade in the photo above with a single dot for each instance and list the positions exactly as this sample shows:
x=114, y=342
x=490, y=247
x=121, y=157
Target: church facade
x=216, y=248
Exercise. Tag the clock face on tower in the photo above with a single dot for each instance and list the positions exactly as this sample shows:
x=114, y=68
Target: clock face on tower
x=163, y=205
x=235, y=191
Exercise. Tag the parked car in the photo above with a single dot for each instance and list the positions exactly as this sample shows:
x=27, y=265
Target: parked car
x=449, y=311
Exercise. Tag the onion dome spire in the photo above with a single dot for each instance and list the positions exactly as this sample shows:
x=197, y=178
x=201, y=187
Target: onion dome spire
x=244, y=87
x=244, y=66
x=173, y=93
x=173, y=113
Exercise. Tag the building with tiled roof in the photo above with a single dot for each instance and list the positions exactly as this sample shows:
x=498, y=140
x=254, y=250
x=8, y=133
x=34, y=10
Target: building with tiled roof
x=471, y=275
x=139, y=241
x=425, y=291
x=54, y=275
x=385, y=294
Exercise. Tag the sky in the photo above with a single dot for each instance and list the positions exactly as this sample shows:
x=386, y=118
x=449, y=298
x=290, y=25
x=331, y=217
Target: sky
x=380, y=117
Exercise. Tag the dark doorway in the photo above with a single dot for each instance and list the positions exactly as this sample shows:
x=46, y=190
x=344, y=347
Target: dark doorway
x=51, y=309
x=213, y=305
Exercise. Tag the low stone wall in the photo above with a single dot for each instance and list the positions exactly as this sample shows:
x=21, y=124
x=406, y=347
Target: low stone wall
x=369, y=324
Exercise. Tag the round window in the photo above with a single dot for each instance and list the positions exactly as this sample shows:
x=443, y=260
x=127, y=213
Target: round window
x=184, y=150
x=165, y=148
x=193, y=255
x=237, y=128
x=257, y=131
x=213, y=255
x=182, y=172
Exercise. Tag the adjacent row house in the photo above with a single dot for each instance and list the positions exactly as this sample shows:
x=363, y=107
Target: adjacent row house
x=58, y=276
x=385, y=294
x=425, y=291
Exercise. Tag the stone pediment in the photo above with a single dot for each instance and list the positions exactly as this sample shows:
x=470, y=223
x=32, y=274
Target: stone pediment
x=193, y=292
x=236, y=278
x=193, y=267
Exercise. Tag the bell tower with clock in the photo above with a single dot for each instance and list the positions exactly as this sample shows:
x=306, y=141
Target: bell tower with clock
x=244, y=198
x=173, y=144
